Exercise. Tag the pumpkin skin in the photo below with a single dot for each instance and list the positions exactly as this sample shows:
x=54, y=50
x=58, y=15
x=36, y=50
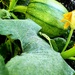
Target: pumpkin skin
x=48, y=14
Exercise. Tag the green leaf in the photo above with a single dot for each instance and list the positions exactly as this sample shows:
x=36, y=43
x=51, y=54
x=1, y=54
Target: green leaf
x=39, y=64
x=60, y=43
x=3, y=69
x=19, y=29
x=9, y=49
x=5, y=49
x=39, y=58
x=54, y=45
x=4, y=13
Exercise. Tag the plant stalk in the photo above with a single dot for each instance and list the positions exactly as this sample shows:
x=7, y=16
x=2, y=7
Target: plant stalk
x=68, y=40
x=72, y=58
x=21, y=9
x=12, y=5
x=46, y=37
x=13, y=15
x=68, y=53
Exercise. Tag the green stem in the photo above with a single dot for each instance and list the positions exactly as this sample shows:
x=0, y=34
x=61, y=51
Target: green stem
x=13, y=15
x=45, y=36
x=21, y=9
x=12, y=4
x=68, y=53
x=68, y=40
x=72, y=58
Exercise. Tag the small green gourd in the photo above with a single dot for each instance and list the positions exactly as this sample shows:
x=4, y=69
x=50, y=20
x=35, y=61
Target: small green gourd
x=48, y=14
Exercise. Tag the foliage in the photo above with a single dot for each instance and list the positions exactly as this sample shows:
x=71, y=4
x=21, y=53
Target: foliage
x=3, y=69
x=23, y=51
x=37, y=54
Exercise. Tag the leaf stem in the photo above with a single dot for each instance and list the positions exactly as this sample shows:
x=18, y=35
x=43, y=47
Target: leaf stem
x=68, y=53
x=72, y=58
x=68, y=40
x=13, y=15
x=45, y=36
x=21, y=9
x=12, y=4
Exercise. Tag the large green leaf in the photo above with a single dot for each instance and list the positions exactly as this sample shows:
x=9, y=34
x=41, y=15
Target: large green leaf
x=38, y=58
x=19, y=29
x=38, y=64
x=3, y=69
